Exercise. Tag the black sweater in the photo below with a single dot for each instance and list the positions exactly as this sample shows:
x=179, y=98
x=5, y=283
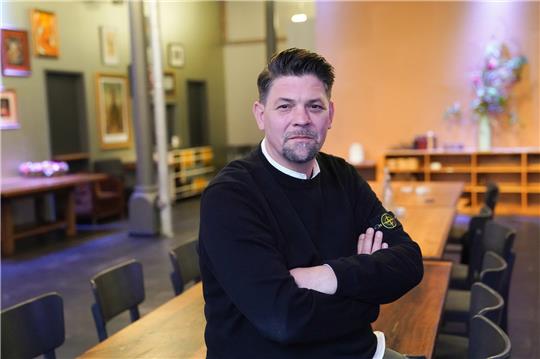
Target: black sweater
x=258, y=223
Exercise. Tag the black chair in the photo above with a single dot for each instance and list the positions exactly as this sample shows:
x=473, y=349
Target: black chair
x=460, y=240
x=492, y=196
x=185, y=263
x=495, y=237
x=460, y=305
x=505, y=290
x=34, y=327
x=116, y=290
x=487, y=340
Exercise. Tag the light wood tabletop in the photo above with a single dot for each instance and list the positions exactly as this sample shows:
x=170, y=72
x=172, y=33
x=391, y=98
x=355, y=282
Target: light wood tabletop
x=410, y=324
x=423, y=193
x=176, y=329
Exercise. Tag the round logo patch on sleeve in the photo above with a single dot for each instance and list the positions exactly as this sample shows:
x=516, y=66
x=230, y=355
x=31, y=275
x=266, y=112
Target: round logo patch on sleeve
x=388, y=220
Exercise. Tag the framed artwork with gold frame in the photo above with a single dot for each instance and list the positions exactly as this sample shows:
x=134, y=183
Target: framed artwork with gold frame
x=44, y=33
x=113, y=111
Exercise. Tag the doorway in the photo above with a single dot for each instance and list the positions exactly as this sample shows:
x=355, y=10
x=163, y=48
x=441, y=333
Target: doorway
x=197, y=113
x=67, y=116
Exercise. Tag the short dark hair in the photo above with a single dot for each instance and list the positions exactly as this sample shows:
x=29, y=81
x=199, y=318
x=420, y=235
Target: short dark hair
x=295, y=62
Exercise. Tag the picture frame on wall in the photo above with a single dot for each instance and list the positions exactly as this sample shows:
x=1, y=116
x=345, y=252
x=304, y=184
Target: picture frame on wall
x=44, y=33
x=169, y=85
x=109, y=45
x=8, y=110
x=15, y=53
x=113, y=111
x=176, y=55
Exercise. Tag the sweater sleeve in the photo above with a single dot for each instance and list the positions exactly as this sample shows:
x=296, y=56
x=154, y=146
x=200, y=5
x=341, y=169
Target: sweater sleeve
x=387, y=274
x=238, y=246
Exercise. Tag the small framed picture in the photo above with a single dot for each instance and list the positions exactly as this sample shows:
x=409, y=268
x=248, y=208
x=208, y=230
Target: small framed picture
x=15, y=53
x=44, y=33
x=8, y=110
x=109, y=45
x=169, y=85
x=113, y=112
x=176, y=55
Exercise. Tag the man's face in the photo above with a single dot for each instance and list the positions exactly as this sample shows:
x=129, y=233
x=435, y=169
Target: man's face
x=295, y=118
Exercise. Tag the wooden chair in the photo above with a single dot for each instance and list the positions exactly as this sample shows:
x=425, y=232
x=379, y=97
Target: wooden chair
x=185, y=263
x=34, y=327
x=487, y=340
x=105, y=198
x=116, y=290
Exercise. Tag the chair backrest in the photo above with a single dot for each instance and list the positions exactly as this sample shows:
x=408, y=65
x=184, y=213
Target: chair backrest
x=474, y=236
x=487, y=340
x=116, y=290
x=492, y=195
x=185, y=263
x=112, y=166
x=497, y=238
x=34, y=327
x=494, y=271
x=487, y=302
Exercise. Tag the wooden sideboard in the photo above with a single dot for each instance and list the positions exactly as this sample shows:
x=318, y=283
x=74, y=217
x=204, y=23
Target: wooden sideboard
x=515, y=170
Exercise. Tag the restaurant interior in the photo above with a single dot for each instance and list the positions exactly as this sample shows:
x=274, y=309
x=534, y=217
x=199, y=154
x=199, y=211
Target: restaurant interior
x=104, y=161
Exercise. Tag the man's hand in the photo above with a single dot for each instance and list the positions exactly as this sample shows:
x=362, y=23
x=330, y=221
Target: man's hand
x=319, y=278
x=370, y=242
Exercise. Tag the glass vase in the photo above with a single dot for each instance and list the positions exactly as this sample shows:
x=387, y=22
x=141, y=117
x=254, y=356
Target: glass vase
x=484, y=133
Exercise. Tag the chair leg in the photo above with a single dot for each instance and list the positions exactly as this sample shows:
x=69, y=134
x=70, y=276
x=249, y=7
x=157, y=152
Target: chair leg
x=134, y=313
x=100, y=323
x=49, y=355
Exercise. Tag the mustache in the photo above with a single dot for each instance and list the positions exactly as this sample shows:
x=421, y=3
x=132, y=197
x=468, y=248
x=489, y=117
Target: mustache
x=301, y=133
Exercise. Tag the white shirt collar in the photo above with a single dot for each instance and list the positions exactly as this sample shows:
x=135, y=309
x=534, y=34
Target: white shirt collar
x=287, y=171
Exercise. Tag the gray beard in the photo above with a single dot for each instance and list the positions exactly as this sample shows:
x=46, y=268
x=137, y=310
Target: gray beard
x=301, y=152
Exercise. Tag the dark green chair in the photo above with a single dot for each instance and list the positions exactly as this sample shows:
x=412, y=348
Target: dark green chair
x=34, y=327
x=495, y=237
x=116, y=290
x=487, y=340
x=185, y=263
x=460, y=305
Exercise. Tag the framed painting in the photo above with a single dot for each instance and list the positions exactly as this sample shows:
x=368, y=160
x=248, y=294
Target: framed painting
x=176, y=55
x=109, y=45
x=113, y=111
x=169, y=85
x=8, y=110
x=44, y=33
x=15, y=53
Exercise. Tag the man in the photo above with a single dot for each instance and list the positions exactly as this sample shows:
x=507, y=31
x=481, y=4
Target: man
x=291, y=239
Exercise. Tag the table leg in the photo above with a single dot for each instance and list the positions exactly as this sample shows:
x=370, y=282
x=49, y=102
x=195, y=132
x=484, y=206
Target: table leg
x=71, y=228
x=8, y=240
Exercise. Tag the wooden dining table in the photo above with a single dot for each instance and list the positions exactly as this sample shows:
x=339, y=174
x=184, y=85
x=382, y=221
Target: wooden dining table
x=63, y=190
x=426, y=210
x=176, y=329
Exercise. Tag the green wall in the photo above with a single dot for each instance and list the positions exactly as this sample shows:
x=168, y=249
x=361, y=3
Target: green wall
x=194, y=24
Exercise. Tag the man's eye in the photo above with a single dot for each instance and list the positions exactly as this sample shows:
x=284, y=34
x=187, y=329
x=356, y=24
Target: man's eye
x=284, y=106
x=316, y=107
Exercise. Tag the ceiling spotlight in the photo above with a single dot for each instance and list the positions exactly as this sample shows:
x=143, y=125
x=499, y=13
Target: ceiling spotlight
x=299, y=18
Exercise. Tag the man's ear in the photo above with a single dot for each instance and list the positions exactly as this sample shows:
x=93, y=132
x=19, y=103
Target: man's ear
x=258, y=113
x=331, y=114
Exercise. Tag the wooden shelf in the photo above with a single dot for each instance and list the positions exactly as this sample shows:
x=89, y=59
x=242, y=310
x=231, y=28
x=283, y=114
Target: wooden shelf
x=192, y=170
x=498, y=169
x=514, y=169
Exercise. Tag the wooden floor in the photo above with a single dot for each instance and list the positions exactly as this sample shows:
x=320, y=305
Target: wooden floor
x=66, y=266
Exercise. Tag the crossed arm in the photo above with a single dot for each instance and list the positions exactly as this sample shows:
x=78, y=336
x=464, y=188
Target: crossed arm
x=322, y=278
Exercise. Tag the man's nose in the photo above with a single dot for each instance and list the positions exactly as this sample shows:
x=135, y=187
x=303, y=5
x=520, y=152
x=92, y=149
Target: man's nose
x=301, y=117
